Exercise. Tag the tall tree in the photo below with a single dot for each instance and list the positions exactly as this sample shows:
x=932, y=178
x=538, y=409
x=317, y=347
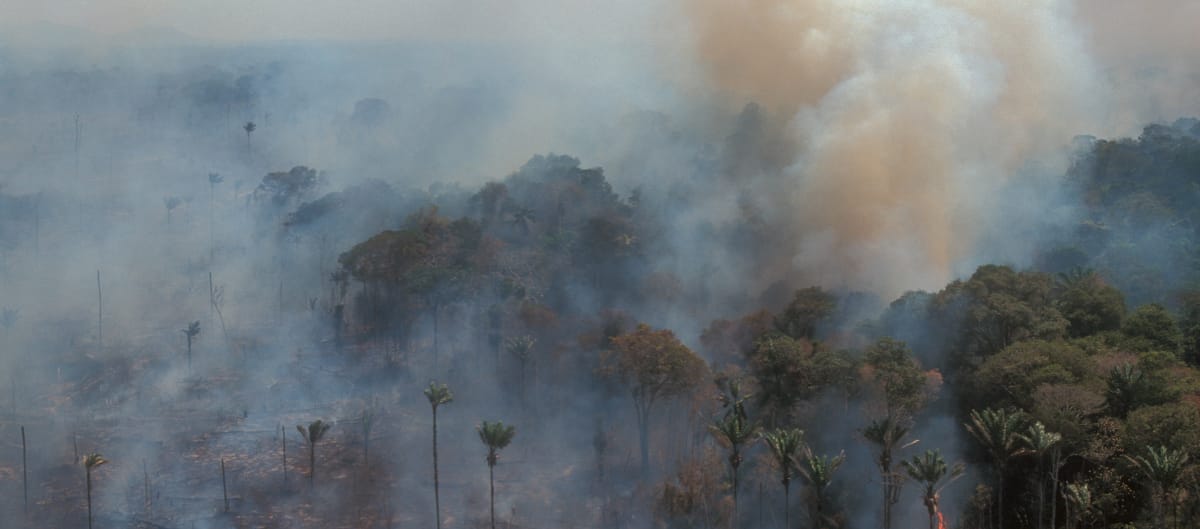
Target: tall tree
x=91, y=462
x=887, y=435
x=496, y=436
x=784, y=445
x=734, y=429
x=930, y=470
x=437, y=394
x=998, y=432
x=655, y=365
x=248, y=127
x=818, y=471
x=213, y=180
x=521, y=347
x=312, y=434
x=1163, y=469
x=192, y=331
x=1041, y=444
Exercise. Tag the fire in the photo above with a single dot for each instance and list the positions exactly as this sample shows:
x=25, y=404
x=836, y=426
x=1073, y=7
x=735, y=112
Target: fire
x=941, y=521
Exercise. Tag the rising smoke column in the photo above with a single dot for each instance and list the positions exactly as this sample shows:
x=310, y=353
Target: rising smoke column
x=905, y=119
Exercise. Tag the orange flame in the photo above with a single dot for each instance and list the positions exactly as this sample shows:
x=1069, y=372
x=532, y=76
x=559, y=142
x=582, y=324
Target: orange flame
x=941, y=521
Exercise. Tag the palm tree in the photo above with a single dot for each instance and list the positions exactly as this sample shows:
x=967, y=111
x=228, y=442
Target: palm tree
x=1163, y=469
x=734, y=430
x=495, y=436
x=997, y=431
x=522, y=216
x=437, y=395
x=931, y=471
x=520, y=347
x=1079, y=501
x=784, y=445
x=886, y=434
x=248, y=127
x=90, y=462
x=311, y=435
x=192, y=330
x=818, y=472
x=1039, y=443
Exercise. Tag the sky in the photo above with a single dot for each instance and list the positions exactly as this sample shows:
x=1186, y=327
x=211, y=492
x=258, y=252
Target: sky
x=241, y=20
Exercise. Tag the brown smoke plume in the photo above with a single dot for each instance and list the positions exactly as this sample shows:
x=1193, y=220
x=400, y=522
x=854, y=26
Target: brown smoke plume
x=905, y=117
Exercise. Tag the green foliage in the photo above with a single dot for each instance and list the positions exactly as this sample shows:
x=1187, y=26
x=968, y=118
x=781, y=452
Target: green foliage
x=438, y=394
x=817, y=470
x=789, y=370
x=1129, y=388
x=898, y=377
x=1160, y=465
x=1089, y=305
x=1175, y=425
x=808, y=307
x=496, y=437
x=520, y=347
x=1038, y=440
x=1012, y=376
x=931, y=471
x=784, y=445
x=998, y=431
x=1152, y=328
x=1000, y=307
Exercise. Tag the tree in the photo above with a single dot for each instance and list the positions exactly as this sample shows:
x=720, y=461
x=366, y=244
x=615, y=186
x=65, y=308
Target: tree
x=789, y=370
x=213, y=180
x=1040, y=443
x=437, y=394
x=192, y=330
x=733, y=430
x=1128, y=388
x=90, y=462
x=896, y=377
x=1152, y=328
x=312, y=434
x=496, y=436
x=655, y=365
x=998, y=432
x=1163, y=469
x=818, y=471
x=1089, y=305
x=521, y=217
x=930, y=470
x=784, y=445
x=520, y=347
x=248, y=127
x=171, y=203
x=886, y=434
x=1080, y=503
x=808, y=307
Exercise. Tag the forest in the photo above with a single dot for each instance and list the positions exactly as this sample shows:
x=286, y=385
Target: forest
x=515, y=284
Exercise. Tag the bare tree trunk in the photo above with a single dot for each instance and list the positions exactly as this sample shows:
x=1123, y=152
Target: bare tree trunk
x=283, y=437
x=24, y=470
x=89, y=497
x=99, y=312
x=787, y=524
x=492, y=488
x=437, y=500
x=224, y=490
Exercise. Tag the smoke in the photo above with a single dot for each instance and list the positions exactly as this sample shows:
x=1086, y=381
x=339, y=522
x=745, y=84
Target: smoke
x=905, y=120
